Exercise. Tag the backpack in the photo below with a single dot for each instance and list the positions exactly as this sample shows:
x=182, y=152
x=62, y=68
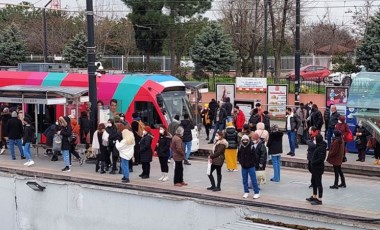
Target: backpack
x=141, y=128
x=73, y=138
x=57, y=142
x=34, y=138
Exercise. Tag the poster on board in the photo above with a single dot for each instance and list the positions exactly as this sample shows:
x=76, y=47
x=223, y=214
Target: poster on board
x=277, y=98
x=337, y=95
x=103, y=114
x=225, y=90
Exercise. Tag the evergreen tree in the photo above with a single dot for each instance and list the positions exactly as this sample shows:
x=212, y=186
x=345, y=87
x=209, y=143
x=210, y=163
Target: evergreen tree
x=12, y=46
x=368, y=53
x=212, y=50
x=75, y=51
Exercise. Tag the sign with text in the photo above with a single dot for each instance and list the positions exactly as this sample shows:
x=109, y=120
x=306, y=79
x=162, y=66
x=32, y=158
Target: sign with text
x=277, y=98
x=251, y=83
x=337, y=95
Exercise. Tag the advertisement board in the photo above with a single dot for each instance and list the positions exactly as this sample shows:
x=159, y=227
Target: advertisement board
x=277, y=98
x=225, y=90
x=103, y=114
x=337, y=95
x=251, y=83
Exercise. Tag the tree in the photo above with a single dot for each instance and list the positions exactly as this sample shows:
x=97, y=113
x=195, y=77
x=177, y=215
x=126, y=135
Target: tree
x=12, y=46
x=361, y=16
x=75, y=51
x=150, y=25
x=368, y=53
x=212, y=50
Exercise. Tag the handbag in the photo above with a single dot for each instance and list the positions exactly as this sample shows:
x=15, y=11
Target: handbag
x=209, y=167
x=348, y=137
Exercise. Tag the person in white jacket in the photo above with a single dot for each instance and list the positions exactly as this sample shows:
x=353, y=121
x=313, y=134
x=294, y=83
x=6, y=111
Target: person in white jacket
x=126, y=151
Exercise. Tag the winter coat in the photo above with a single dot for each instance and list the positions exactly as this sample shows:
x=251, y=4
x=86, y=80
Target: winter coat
x=126, y=145
x=334, y=118
x=66, y=133
x=28, y=134
x=326, y=115
x=164, y=142
x=206, y=117
x=178, y=148
x=336, y=152
x=311, y=145
x=317, y=162
x=246, y=157
x=187, y=127
x=295, y=122
x=228, y=107
x=14, y=128
x=316, y=119
x=253, y=120
x=343, y=128
x=275, y=143
x=217, y=155
x=249, y=133
x=231, y=137
x=220, y=116
x=84, y=126
x=266, y=121
x=114, y=135
x=362, y=138
x=49, y=134
x=261, y=155
x=263, y=134
x=146, y=148
x=173, y=126
x=4, y=124
x=240, y=120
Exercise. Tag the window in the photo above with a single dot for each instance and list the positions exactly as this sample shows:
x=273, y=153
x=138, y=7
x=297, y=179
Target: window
x=320, y=68
x=148, y=113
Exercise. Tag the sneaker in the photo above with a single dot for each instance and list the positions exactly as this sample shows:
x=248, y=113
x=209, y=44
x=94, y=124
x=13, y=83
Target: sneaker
x=145, y=177
x=66, y=169
x=334, y=186
x=169, y=161
x=235, y=170
x=26, y=163
x=2, y=151
x=125, y=180
x=162, y=177
x=210, y=188
x=217, y=189
x=166, y=178
x=30, y=163
x=289, y=153
x=310, y=199
x=256, y=196
x=23, y=158
x=229, y=170
x=342, y=185
x=186, y=162
x=316, y=202
x=245, y=196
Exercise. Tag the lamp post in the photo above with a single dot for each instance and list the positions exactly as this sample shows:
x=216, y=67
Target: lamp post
x=91, y=66
x=297, y=61
x=45, y=31
x=265, y=53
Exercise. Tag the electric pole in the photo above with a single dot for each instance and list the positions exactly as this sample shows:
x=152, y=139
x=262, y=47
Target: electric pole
x=297, y=56
x=265, y=53
x=91, y=66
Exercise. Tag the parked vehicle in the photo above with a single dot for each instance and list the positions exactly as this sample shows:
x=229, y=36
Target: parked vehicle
x=311, y=73
x=344, y=79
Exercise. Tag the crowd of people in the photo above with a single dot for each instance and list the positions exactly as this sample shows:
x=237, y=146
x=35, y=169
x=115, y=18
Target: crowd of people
x=120, y=145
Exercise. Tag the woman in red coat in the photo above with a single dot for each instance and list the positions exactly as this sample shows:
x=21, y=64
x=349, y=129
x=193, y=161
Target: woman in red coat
x=239, y=118
x=335, y=158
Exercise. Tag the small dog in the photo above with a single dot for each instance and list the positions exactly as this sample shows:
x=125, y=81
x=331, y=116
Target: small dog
x=261, y=177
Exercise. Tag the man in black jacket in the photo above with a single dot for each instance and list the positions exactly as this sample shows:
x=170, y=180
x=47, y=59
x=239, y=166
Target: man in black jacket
x=326, y=117
x=220, y=121
x=14, y=130
x=187, y=138
x=292, y=124
x=316, y=118
x=334, y=117
x=228, y=107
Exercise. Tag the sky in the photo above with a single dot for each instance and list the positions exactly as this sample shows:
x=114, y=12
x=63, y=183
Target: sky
x=313, y=10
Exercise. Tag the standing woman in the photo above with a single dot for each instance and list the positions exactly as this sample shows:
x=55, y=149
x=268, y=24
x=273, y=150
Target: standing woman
x=146, y=152
x=74, y=139
x=217, y=159
x=207, y=119
x=335, y=158
x=27, y=139
x=163, y=152
x=361, y=140
x=65, y=132
x=231, y=152
x=111, y=129
x=344, y=130
x=126, y=149
x=317, y=169
x=274, y=150
x=99, y=147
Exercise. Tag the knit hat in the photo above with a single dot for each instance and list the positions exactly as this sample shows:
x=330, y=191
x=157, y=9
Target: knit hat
x=342, y=119
x=14, y=114
x=148, y=129
x=245, y=137
x=6, y=110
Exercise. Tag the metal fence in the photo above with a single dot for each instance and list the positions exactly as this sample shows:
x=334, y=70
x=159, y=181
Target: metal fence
x=163, y=62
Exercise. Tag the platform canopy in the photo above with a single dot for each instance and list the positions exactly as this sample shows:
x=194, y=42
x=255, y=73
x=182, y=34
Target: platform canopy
x=48, y=95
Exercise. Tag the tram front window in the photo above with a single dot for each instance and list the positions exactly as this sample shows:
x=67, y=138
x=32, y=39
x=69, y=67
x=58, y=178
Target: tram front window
x=176, y=103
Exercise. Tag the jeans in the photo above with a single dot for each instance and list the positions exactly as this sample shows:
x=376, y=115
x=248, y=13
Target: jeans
x=218, y=127
x=292, y=141
x=27, y=153
x=171, y=153
x=276, y=161
x=187, y=147
x=66, y=157
x=252, y=173
x=12, y=143
x=125, y=167
x=329, y=136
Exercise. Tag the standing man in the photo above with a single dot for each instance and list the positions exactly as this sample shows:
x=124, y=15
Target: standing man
x=178, y=157
x=173, y=126
x=334, y=118
x=14, y=130
x=187, y=136
x=326, y=116
x=316, y=118
x=228, y=107
x=239, y=118
x=292, y=125
x=220, y=121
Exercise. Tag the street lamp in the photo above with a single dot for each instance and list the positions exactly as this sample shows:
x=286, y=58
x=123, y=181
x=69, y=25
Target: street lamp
x=45, y=31
x=265, y=53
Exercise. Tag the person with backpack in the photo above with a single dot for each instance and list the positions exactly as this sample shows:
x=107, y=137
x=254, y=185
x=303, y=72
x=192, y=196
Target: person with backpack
x=66, y=133
x=207, y=120
x=73, y=140
x=27, y=139
x=49, y=134
x=137, y=133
